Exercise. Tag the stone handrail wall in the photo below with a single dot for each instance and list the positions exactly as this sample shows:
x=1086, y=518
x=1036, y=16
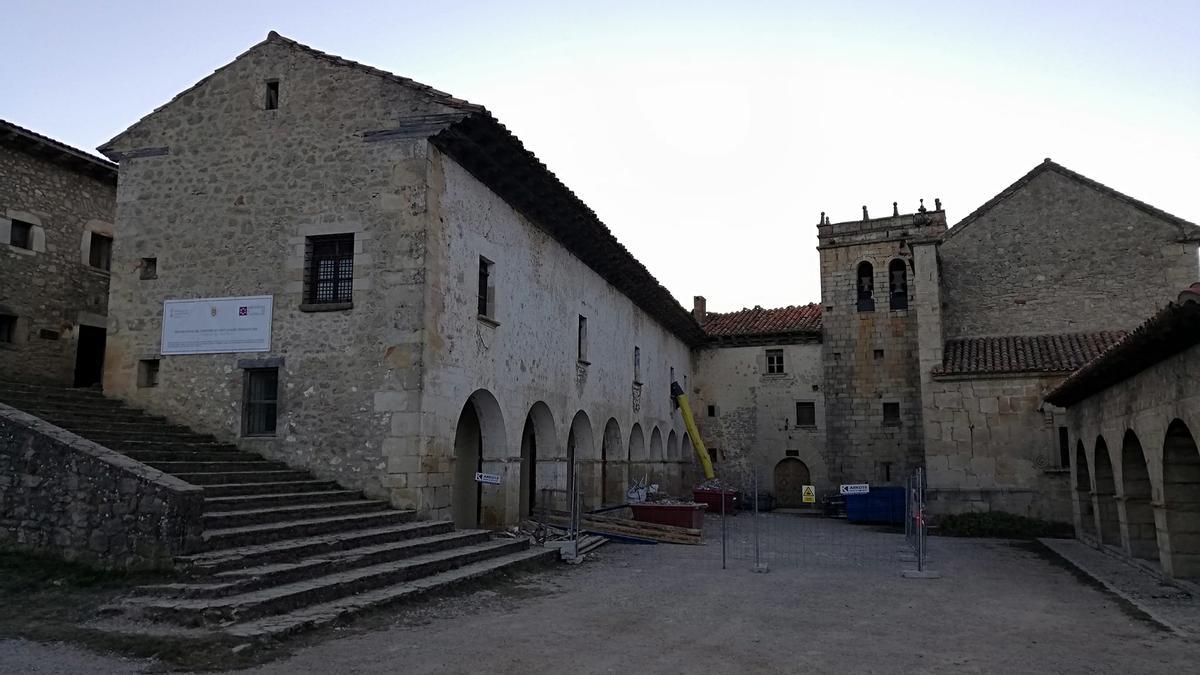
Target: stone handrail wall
x=69, y=497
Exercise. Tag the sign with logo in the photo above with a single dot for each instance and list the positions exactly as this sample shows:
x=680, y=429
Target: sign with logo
x=856, y=489
x=217, y=325
x=488, y=478
x=810, y=495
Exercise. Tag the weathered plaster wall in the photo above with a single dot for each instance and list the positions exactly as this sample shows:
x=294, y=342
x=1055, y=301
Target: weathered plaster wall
x=50, y=287
x=1060, y=257
x=755, y=422
x=226, y=212
x=66, y=496
x=992, y=446
x=528, y=355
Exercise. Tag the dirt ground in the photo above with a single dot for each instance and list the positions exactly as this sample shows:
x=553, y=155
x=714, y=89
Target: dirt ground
x=1000, y=607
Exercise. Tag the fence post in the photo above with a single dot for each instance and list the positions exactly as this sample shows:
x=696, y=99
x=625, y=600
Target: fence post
x=759, y=565
x=919, y=528
x=722, y=489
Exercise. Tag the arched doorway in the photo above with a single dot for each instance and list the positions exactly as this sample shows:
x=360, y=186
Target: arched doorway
x=686, y=452
x=656, y=456
x=1106, y=496
x=665, y=461
x=1139, y=514
x=1181, y=499
x=581, y=459
x=537, y=456
x=791, y=475
x=1083, y=492
x=613, y=465
x=478, y=438
x=639, y=456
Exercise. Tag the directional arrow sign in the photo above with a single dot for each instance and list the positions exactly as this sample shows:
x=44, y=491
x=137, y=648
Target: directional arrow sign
x=856, y=489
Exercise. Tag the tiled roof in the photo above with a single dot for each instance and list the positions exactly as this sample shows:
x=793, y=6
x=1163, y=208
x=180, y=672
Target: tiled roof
x=756, y=321
x=997, y=354
x=31, y=141
x=1173, y=329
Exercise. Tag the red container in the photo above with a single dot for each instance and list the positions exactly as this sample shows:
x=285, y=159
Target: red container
x=713, y=499
x=679, y=515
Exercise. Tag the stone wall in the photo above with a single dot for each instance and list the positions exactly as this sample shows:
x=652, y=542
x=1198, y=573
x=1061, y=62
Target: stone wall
x=50, y=288
x=66, y=496
x=992, y=446
x=752, y=423
x=1060, y=257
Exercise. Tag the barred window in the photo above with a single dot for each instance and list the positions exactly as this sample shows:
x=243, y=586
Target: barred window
x=329, y=277
x=261, y=401
x=806, y=414
x=21, y=234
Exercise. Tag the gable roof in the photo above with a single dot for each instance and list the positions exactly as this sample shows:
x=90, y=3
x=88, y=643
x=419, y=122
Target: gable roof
x=31, y=142
x=1170, y=331
x=497, y=158
x=802, y=321
x=1014, y=354
x=1188, y=231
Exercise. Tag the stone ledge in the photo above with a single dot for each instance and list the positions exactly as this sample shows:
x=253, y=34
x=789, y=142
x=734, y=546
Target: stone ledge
x=326, y=307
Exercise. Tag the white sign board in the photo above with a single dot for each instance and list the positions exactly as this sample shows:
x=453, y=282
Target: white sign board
x=217, y=325
x=856, y=489
x=489, y=478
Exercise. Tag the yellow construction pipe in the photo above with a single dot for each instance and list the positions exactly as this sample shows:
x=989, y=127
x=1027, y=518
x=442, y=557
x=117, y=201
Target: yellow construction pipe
x=701, y=452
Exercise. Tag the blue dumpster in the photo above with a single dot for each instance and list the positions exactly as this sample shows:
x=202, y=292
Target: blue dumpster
x=880, y=505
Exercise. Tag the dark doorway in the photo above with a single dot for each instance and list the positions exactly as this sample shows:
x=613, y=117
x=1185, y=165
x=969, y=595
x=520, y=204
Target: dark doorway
x=89, y=356
x=791, y=475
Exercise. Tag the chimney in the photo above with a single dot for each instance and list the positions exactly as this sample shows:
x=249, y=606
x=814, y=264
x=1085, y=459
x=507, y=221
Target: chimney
x=699, y=308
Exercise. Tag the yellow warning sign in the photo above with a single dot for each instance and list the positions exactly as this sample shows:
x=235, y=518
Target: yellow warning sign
x=810, y=495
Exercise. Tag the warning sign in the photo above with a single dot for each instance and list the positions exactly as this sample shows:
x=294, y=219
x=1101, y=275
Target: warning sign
x=810, y=494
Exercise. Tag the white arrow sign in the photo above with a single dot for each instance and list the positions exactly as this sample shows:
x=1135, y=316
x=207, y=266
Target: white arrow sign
x=489, y=478
x=855, y=489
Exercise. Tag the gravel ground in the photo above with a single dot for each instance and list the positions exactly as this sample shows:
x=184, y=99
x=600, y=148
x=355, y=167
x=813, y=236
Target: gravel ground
x=1000, y=607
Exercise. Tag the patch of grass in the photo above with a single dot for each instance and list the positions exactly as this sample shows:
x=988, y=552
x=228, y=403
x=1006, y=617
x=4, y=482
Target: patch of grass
x=23, y=572
x=1000, y=525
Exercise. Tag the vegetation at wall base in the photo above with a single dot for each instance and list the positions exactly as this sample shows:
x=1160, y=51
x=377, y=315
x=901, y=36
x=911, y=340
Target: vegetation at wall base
x=999, y=524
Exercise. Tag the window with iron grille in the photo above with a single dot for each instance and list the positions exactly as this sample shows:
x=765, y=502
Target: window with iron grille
x=100, y=253
x=774, y=361
x=891, y=413
x=806, y=414
x=329, y=274
x=21, y=234
x=261, y=401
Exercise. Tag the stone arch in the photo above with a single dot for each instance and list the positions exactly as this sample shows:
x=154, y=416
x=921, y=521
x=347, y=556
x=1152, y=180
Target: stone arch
x=539, y=441
x=581, y=457
x=614, y=464
x=656, y=455
x=672, y=447
x=686, y=450
x=639, y=455
x=897, y=284
x=1140, y=531
x=1083, y=492
x=670, y=452
x=1105, y=495
x=791, y=475
x=478, y=437
x=864, y=280
x=1181, y=502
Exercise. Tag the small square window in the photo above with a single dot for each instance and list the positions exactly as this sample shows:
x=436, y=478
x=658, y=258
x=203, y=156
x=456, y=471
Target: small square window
x=272, y=97
x=149, y=268
x=48, y=334
x=21, y=234
x=837, y=356
x=329, y=269
x=878, y=354
x=100, y=253
x=774, y=361
x=816, y=387
x=806, y=414
x=260, y=401
x=712, y=411
x=148, y=373
x=891, y=413
x=8, y=328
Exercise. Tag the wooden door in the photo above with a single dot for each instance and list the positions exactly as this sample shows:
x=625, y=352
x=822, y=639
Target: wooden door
x=791, y=475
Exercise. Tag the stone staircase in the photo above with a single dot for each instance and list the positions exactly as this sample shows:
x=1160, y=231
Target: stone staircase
x=282, y=550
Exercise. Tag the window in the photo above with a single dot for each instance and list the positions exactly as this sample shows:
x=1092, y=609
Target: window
x=898, y=284
x=149, y=268
x=147, y=373
x=582, y=339
x=891, y=413
x=885, y=468
x=261, y=401
x=866, y=287
x=100, y=253
x=806, y=414
x=878, y=354
x=637, y=364
x=816, y=387
x=272, y=99
x=1064, y=448
x=48, y=334
x=712, y=411
x=487, y=295
x=774, y=361
x=21, y=234
x=8, y=328
x=330, y=269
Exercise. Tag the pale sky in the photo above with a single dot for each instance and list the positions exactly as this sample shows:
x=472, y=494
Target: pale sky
x=708, y=136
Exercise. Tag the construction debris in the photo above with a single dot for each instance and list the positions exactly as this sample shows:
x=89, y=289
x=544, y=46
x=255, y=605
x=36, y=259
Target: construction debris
x=624, y=528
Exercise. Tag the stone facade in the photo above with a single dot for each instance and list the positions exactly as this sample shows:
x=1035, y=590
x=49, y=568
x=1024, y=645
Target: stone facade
x=65, y=496
x=49, y=290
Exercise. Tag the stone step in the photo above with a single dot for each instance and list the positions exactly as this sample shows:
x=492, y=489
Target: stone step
x=105, y=436
x=336, y=611
x=269, y=532
x=326, y=588
x=273, y=487
x=19, y=400
x=248, y=579
x=57, y=415
x=261, y=501
x=126, y=446
x=224, y=477
x=289, y=550
x=222, y=520
x=233, y=455
x=236, y=465
x=110, y=427
x=7, y=385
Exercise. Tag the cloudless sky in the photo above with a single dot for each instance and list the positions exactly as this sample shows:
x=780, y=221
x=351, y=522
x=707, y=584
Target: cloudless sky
x=707, y=135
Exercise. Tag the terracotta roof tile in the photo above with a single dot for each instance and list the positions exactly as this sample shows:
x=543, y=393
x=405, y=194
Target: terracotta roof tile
x=790, y=320
x=995, y=354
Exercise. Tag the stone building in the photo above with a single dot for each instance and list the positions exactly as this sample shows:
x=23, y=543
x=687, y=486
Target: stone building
x=438, y=303
x=57, y=205
x=1133, y=413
